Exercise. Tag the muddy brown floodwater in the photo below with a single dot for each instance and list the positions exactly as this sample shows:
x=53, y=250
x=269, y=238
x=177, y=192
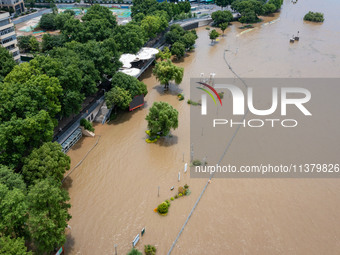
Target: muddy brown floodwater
x=114, y=191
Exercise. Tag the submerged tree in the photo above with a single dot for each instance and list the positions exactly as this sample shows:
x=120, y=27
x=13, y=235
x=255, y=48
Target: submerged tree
x=161, y=118
x=213, y=35
x=165, y=54
x=314, y=16
x=165, y=71
x=224, y=26
x=178, y=49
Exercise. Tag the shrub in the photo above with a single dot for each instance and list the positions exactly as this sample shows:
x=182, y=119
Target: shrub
x=168, y=203
x=314, y=16
x=163, y=208
x=186, y=186
x=176, y=196
x=180, y=194
x=180, y=97
x=180, y=189
x=134, y=252
x=221, y=94
x=196, y=162
x=192, y=102
x=87, y=125
x=172, y=199
x=150, y=249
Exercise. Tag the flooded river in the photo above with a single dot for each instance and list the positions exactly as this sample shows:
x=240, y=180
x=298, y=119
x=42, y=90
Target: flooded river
x=115, y=189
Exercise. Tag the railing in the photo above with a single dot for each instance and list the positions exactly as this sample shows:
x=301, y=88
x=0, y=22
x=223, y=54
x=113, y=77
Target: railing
x=73, y=125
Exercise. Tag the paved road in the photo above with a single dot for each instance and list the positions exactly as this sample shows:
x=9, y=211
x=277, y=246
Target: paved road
x=31, y=16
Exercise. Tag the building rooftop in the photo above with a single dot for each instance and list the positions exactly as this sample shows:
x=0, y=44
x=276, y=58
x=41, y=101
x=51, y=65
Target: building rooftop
x=4, y=15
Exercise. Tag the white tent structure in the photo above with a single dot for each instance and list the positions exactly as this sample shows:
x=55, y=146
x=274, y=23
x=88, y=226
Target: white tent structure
x=131, y=71
x=126, y=59
x=146, y=53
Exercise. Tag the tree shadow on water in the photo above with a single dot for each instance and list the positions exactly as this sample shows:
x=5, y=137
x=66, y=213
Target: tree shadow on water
x=173, y=90
x=69, y=244
x=67, y=183
x=167, y=141
x=123, y=116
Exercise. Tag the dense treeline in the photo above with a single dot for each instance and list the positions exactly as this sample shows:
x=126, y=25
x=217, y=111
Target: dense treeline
x=33, y=205
x=249, y=10
x=65, y=70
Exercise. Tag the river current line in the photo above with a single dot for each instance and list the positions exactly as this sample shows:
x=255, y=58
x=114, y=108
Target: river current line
x=222, y=156
x=81, y=161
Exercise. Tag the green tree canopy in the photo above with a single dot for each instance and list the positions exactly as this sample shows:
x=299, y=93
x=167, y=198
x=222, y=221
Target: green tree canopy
x=89, y=74
x=28, y=103
x=165, y=54
x=220, y=17
x=189, y=39
x=213, y=35
x=178, y=49
x=178, y=34
x=144, y=6
x=134, y=251
x=13, y=246
x=19, y=136
x=13, y=212
x=165, y=71
x=103, y=54
x=277, y=3
x=223, y=26
x=223, y=3
x=10, y=179
x=7, y=63
x=269, y=8
x=175, y=34
x=161, y=118
x=34, y=44
x=24, y=43
x=314, y=16
x=62, y=18
x=153, y=25
x=97, y=12
x=26, y=92
x=118, y=97
x=130, y=84
x=46, y=161
x=47, y=21
x=98, y=24
x=51, y=41
x=249, y=10
x=129, y=38
x=48, y=215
